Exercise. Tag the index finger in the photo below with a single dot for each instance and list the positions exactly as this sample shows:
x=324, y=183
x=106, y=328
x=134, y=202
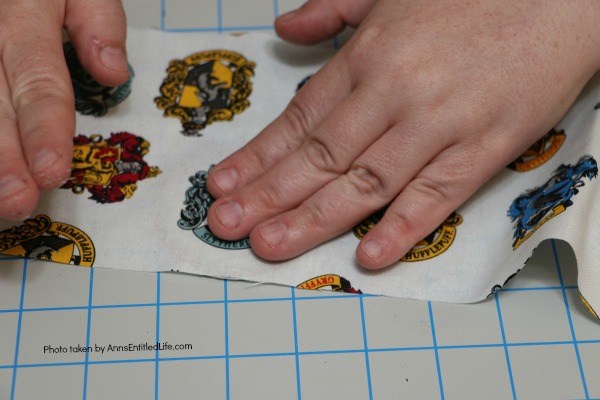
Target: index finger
x=287, y=133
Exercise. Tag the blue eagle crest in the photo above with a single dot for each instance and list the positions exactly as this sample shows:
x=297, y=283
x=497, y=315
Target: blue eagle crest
x=530, y=208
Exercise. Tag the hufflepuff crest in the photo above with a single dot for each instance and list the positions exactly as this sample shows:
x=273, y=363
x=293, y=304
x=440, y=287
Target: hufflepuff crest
x=431, y=246
x=206, y=87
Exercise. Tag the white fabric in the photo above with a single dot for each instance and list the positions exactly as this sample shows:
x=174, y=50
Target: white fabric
x=142, y=233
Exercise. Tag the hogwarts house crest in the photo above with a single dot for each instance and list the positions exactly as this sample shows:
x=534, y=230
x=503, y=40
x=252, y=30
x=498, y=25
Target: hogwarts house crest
x=193, y=216
x=109, y=169
x=302, y=83
x=91, y=97
x=206, y=87
x=42, y=239
x=334, y=282
x=589, y=307
x=431, y=246
x=540, y=152
x=537, y=206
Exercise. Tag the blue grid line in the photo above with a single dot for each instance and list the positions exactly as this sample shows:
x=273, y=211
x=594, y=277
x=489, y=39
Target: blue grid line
x=156, y=355
x=365, y=345
x=178, y=303
x=88, y=332
x=285, y=354
x=435, y=351
x=221, y=29
x=556, y=343
x=226, y=318
x=18, y=342
x=199, y=302
x=570, y=287
x=163, y=13
x=506, y=353
x=336, y=43
x=276, y=8
x=219, y=16
x=297, y=358
x=571, y=327
x=337, y=296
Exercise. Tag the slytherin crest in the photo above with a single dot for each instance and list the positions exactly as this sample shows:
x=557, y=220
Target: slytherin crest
x=197, y=202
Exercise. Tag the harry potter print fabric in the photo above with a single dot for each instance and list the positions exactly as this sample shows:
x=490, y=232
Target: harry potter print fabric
x=137, y=196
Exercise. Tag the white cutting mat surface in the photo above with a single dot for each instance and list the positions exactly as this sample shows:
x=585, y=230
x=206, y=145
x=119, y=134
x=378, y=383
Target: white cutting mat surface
x=532, y=340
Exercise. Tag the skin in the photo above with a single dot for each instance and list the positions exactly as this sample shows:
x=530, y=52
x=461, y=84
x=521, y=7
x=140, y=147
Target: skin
x=425, y=103
x=37, y=112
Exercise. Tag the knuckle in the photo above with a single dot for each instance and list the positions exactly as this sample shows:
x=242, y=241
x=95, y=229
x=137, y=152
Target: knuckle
x=254, y=159
x=401, y=222
x=269, y=198
x=362, y=42
x=315, y=217
x=319, y=155
x=7, y=111
x=40, y=85
x=436, y=189
x=298, y=116
x=366, y=181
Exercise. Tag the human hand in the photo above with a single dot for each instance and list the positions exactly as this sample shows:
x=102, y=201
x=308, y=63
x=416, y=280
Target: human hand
x=37, y=114
x=424, y=104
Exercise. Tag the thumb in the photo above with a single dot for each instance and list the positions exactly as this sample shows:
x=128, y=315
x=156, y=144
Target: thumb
x=318, y=20
x=98, y=29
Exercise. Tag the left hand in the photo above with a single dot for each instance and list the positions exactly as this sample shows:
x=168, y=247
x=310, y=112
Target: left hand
x=425, y=103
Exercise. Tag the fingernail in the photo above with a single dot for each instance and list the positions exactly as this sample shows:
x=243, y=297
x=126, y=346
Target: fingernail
x=288, y=16
x=44, y=160
x=113, y=58
x=226, y=179
x=10, y=185
x=273, y=233
x=230, y=214
x=373, y=248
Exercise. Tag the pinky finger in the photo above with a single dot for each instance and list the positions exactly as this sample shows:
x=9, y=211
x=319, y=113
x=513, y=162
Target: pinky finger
x=420, y=208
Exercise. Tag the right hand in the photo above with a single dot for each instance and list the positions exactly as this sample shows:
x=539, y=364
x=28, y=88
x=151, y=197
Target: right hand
x=37, y=113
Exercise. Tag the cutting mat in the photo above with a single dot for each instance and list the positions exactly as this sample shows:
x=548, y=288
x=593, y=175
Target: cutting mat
x=237, y=340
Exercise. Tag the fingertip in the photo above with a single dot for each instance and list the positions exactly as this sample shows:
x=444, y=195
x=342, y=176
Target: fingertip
x=98, y=31
x=50, y=168
x=19, y=197
x=268, y=241
x=106, y=63
x=374, y=253
x=224, y=219
x=310, y=24
x=222, y=181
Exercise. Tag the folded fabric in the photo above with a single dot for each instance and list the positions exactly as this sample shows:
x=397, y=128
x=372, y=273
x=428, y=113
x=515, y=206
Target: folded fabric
x=137, y=195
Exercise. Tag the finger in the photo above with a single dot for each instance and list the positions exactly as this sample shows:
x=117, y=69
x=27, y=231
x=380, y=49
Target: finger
x=287, y=133
x=327, y=153
x=375, y=178
x=425, y=203
x=318, y=20
x=18, y=191
x=41, y=92
x=97, y=29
